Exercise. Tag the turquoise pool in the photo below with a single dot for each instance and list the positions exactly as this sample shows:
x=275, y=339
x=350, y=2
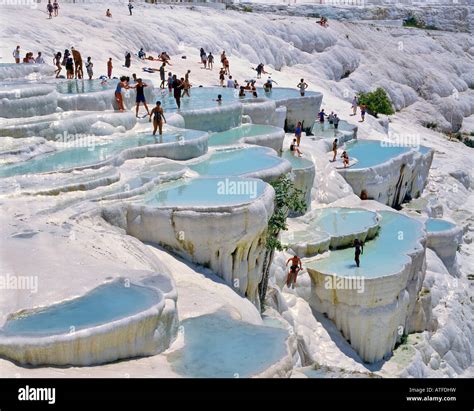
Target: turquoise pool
x=233, y=135
x=217, y=346
x=384, y=255
x=434, y=225
x=104, y=304
x=84, y=86
x=343, y=221
x=91, y=153
x=204, y=97
x=206, y=192
x=239, y=161
x=297, y=163
x=370, y=153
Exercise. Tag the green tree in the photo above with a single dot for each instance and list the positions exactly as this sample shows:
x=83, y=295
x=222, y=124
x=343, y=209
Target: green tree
x=377, y=102
x=287, y=197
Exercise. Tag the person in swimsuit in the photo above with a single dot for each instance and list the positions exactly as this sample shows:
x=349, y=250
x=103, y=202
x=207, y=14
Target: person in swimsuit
x=77, y=63
x=355, y=103
x=109, y=68
x=16, y=54
x=295, y=268
x=359, y=249
x=335, y=121
x=345, y=159
x=140, y=88
x=242, y=91
x=221, y=77
x=56, y=8
x=363, y=109
x=203, y=55
x=334, y=149
x=170, y=82
x=294, y=148
x=162, y=75
x=158, y=118
x=302, y=85
x=298, y=133
x=89, y=67
x=123, y=83
x=178, y=85
x=57, y=63
x=321, y=116
x=219, y=98
x=186, y=84
x=210, y=61
x=69, y=68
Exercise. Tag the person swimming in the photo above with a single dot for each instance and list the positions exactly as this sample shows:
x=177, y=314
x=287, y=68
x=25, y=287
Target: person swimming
x=219, y=98
x=359, y=249
x=295, y=268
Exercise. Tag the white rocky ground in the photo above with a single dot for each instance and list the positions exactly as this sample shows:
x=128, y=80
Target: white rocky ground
x=429, y=76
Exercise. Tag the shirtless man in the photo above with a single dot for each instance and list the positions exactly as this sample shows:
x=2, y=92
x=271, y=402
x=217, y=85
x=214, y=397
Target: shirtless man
x=77, y=63
x=295, y=268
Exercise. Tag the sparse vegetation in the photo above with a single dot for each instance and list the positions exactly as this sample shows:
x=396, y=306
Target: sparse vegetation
x=416, y=22
x=247, y=9
x=287, y=197
x=377, y=102
x=431, y=125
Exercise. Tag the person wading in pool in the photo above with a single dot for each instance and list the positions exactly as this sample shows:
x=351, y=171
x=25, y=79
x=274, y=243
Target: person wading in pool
x=140, y=88
x=295, y=268
x=298, y=129
x=158, y=118
x=123, y=83
x=359, y=249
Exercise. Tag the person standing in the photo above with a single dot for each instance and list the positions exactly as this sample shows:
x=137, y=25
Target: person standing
x=140, y=88
x=128, y=58
x=359, y=249
x=321, y=116
x=123, y=83
x=221, y=77
x=56, y=8
x=210, y=61
x=16, y=55
x=162, y=75
x=203, y=57
x=170, y=81
x=70, y=68
x=355, y=103
x=302, y=85
x=363, y=109
x=49, y=7
x=335, y=121
x=230, y=82
x=177, y=87
x=298, y=130
x=295, y=268
x=158, y=118
x=334, y=150
x=77, y=63
x=57, y=63
x=89, y=68
x=130, y=7
x=186, y=84
x=109, y=68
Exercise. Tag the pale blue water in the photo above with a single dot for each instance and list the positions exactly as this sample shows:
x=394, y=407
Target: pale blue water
x=104, y=304
x=237, y=162
x=81, y=156
x=371, y=153
x=217, y=346
x=384, y=255
x=84, y=86
x=423, y=149
x=343, y=221
x=233, y=135
x=203, y=97
x=327, y=130
x=206, y=192
x=297, y=163
x=435, y=224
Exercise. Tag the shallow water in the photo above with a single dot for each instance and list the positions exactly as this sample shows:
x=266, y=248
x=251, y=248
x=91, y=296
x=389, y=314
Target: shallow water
x=233, y=135
x=237, y=162
x=433, y=225
x=206, y=192
x=217, y=346
x=84, y=86
x=371, y=153
x=384, y=255
x=91, y=153
x=106, y=303
x=343, y=221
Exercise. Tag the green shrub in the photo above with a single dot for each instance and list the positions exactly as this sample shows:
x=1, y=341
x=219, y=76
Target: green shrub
x=413, y=21
x=247, y=9
x=377, y=102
